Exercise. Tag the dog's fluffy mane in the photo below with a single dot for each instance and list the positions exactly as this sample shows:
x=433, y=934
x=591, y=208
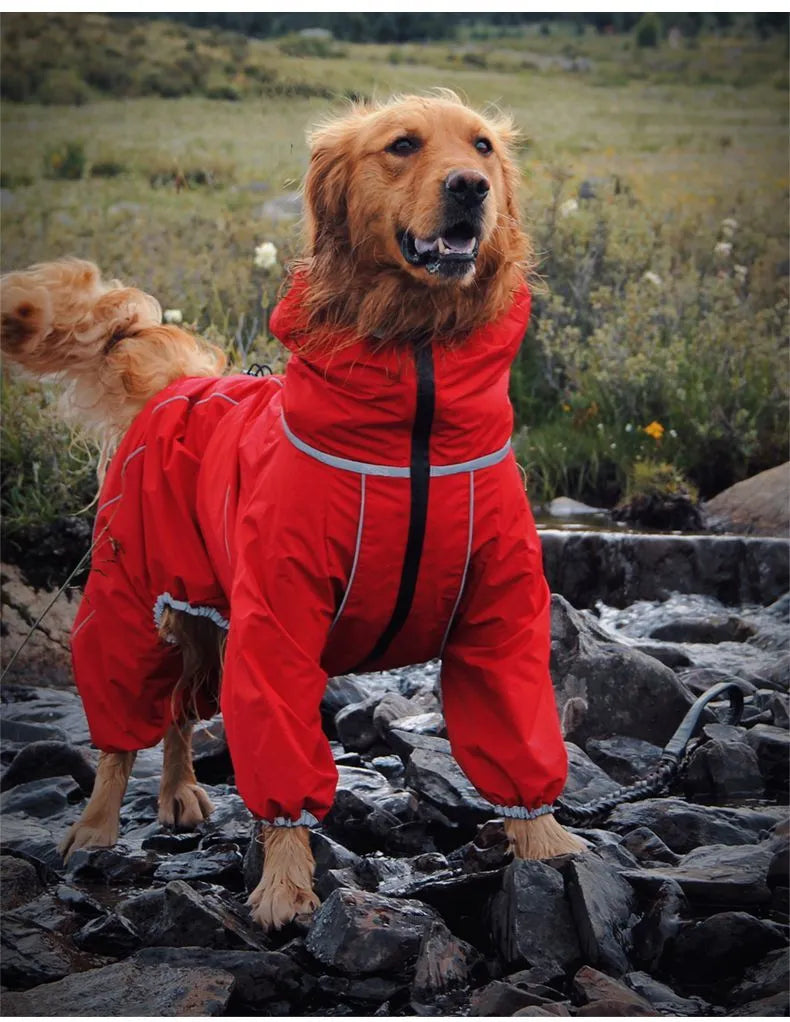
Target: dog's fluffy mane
x=348, y=291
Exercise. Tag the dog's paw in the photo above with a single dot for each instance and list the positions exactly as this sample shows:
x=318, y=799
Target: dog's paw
x=276, y=904
x=185, y=808
x=84, y=834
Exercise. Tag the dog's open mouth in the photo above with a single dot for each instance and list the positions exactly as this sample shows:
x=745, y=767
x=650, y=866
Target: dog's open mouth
x=452, y=252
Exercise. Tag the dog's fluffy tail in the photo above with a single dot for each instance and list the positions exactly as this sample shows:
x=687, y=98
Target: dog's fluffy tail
x=105, y=340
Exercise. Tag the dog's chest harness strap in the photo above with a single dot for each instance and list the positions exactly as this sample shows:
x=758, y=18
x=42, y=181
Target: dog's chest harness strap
x=420, y=476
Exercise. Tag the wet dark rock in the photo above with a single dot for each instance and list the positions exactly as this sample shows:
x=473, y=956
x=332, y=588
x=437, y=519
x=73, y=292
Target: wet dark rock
x=391, y=707
x=648, y=847
x=489, y=850
x=355, y=726
x=27, y=838
x=530, y=918
x=358, y=932
x=586, y=781
x=443, y=964
x=19, y=882
x=667, y=654
x=49, y=706
x=502, y=999
x=588, y=566
x=624, y=759
x=431, y=724
x=49, y=759
x=614, y=1009
x=330, y=854
x=41, y=799
x=337, y=880
x=78, y=901
x=711, y=628
x=119, y=864
x=663, y=998
x=660, y=924
x=723, y=945
x=220, y=863
x=340, y=692
x=722, y=875
x=20, y=733
x=210, y=753
x=602, y=905
x=772, y=747
x=33, y=954
x=777, y=704
x=158, y=839
x=764, y=979
x=590, y=986
x=723, y=770
x=368, y=813
x=111, y=935
x=405, y=742
x=190, y=917
x=261, y=976
x=390, y=766
x=545, y=1011
x=623, y=691
x=684, y=826
x=129, y=988
x=230, y=820
x=437, y=778
x=372, y=990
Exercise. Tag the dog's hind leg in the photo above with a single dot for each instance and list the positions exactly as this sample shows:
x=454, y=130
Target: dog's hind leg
x=286, y=887
x=182, y=802
x=101, y=819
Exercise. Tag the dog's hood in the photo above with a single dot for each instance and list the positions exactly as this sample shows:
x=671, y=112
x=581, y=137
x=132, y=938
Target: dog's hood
x=359, y=400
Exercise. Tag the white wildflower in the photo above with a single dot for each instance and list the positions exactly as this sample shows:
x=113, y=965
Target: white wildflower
x=723, y=249
x=600, y=427
x=629, y=428
x=612, y=446
x=740, y=272
x=674, y=434
x=729, y=227
x=173, y=316
x=652, y=278
x=265, y=255
x=569, y=207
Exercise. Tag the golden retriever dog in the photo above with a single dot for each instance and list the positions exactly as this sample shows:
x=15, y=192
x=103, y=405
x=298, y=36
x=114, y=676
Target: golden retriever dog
x=363, y=511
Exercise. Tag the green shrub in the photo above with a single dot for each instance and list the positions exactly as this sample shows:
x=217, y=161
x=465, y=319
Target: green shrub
x=107, y=168
x=298, y=45
x=65, y=161
x=648, y=31
x=63, y=86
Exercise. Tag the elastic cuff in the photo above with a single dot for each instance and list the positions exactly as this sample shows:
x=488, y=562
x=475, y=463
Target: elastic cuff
x=522, y=813
x=305, y=819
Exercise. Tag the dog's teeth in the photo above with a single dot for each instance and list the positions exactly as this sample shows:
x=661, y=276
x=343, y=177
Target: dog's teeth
x=424, y=246
x=443, y=246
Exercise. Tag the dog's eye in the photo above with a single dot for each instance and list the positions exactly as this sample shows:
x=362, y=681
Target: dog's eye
x=404, y=146
x=482, y=145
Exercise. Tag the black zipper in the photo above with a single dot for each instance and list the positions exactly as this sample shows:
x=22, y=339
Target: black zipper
x=420, y=478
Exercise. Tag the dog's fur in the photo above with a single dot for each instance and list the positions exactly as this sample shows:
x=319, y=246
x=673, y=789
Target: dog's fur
x=108, y=343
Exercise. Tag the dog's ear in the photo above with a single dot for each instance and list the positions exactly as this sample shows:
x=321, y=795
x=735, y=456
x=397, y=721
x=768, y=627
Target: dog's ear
x=326, y=183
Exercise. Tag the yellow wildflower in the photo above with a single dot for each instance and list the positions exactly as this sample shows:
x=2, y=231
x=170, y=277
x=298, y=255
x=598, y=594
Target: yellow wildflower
x=654, y=429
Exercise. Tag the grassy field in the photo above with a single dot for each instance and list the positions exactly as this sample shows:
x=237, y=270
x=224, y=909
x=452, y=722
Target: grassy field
x=642, y=315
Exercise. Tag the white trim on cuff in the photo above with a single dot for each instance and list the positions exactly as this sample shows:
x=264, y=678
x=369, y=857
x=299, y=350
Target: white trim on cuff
x=522, y=813
x=305, y=819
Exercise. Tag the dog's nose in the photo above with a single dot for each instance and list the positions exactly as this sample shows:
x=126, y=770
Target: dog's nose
x=468, y=187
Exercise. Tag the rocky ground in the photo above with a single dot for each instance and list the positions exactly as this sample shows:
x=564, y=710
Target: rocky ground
x=680, y=906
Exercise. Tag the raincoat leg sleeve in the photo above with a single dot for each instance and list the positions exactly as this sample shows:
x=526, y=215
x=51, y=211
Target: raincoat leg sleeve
x=499, y=702
x=282, y=606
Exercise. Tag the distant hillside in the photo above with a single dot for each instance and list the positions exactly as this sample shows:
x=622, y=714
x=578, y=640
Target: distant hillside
x=73, y=59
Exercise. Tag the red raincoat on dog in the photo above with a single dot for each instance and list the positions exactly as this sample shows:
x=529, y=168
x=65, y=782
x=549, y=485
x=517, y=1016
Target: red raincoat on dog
x=363, y=511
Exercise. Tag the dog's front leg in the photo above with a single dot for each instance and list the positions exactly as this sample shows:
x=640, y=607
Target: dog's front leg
x=286, y=887
x=182, y=802
x=541, y=838
x=101, y=819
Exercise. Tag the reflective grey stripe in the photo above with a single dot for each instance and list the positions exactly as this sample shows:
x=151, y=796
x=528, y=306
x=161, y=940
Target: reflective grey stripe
x=356, y=553
x=521, y=812
x=367, y=468
x=466, y=562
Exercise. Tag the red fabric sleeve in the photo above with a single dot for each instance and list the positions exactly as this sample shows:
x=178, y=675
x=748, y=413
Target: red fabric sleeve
x=499, y=702
x=282, y=606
